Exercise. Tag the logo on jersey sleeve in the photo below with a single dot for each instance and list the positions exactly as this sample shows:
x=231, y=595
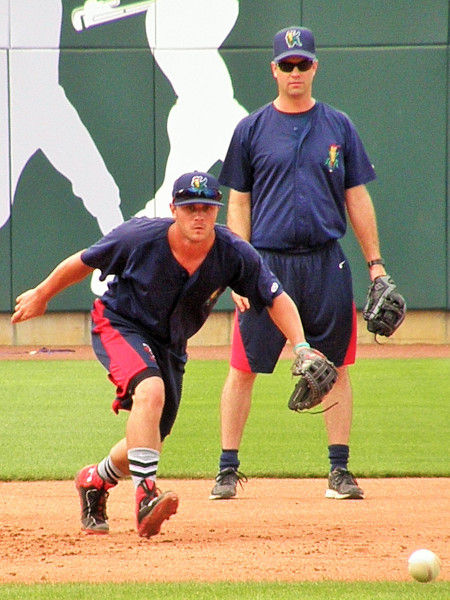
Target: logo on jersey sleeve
x=332, y=161
x=292, y=38
x=274, y=287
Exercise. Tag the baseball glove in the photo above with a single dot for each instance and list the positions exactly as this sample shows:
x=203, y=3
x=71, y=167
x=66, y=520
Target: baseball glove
x=317, y=377
x=385, y=308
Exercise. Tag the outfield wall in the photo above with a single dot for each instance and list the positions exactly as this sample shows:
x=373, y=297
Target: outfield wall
x=96, y=123
x=73, y=329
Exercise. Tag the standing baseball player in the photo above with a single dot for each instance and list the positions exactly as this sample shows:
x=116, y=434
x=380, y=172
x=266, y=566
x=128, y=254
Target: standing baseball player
x=296, y=167
x=168, y=274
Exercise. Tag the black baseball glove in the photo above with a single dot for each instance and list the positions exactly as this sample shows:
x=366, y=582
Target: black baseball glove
x=385, y=308
x=317, y=377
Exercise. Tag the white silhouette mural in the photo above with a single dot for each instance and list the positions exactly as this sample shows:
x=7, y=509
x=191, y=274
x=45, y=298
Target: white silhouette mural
x=4, y=114
x=96, y=12
x=42, y=118
x=184, y=37
x=4, y=139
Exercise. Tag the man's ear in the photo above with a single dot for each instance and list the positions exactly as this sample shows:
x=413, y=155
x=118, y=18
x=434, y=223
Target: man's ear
x=273, y=67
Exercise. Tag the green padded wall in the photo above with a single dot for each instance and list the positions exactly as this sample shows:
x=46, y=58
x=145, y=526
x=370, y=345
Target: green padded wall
x=384, y=63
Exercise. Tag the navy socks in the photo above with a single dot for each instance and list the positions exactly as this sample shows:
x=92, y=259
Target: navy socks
x=338, y=455
x=229, y=458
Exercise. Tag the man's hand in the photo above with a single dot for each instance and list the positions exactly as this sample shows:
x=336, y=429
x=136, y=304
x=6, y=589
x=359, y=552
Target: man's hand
x=385, y=308
x=317, y=377
x=28, y=305
x=241, y=302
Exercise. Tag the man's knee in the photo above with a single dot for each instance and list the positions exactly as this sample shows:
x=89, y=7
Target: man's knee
x=150, y=392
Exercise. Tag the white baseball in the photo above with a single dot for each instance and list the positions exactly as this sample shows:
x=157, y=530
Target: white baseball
x=424, y=565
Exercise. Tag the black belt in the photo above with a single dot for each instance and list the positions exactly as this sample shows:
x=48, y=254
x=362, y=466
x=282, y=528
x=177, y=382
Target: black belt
x=297, y=249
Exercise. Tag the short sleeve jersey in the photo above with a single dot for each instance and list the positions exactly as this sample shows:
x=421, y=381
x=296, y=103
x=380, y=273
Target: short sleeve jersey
x=297, y=168
x=156, y=293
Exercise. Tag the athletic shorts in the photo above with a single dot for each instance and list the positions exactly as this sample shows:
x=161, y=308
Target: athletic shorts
x=130, y=356
x=320, y=283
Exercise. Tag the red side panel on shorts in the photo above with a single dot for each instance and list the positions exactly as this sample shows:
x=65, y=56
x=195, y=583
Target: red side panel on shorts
x=238, y=357
x=125, y=362
x=350, y=356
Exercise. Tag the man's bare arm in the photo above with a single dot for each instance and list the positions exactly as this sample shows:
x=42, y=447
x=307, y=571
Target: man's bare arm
x=239, y=221
x=33, y=303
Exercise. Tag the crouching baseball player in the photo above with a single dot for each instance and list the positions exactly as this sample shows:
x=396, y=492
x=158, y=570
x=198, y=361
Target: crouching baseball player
x=168, y=274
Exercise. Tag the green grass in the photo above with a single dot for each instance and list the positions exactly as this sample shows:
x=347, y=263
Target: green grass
x=56, y=416
x=230, y=591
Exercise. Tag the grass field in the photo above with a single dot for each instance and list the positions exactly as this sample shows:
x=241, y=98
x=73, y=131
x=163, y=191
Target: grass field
x=62, y=409
x=230, y=591
x=56, y=417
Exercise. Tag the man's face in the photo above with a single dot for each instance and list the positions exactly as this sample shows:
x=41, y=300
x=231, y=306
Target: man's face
x=296, y=83
x=195, y=221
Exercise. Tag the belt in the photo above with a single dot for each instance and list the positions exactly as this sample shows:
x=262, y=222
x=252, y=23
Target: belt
x=298, y=249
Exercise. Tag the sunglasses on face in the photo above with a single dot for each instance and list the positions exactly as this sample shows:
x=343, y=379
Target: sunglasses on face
x=192, y=193
x=288, y=67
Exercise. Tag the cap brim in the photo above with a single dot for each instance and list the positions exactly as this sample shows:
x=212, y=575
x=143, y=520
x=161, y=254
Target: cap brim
x=294, y=54
x=197, y=201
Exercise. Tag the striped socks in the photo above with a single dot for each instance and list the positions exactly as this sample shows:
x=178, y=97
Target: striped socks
x=143, y=464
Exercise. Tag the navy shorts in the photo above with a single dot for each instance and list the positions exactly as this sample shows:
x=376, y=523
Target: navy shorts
x=130, y=356
x=320, y=283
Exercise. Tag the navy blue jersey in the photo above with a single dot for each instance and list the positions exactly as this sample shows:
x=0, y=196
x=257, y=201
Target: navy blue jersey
x=152, y=290
x=297, y=168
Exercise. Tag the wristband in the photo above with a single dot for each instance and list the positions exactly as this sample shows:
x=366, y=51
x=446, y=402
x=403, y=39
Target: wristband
x=377, y=261
x=301, y=345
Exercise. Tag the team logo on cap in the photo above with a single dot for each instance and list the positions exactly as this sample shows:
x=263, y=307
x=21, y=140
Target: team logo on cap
x=199, y=182
x=332, y=161
x=292, y=38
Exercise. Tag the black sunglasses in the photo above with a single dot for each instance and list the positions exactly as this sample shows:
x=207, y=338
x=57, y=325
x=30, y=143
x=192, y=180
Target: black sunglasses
x=192, y=193
x=288, y=67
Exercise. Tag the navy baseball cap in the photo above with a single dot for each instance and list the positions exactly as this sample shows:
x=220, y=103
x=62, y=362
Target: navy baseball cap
x=196, y=188
x=294, y=41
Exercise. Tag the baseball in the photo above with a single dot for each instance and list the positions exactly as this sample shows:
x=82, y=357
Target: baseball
x=424, y=565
